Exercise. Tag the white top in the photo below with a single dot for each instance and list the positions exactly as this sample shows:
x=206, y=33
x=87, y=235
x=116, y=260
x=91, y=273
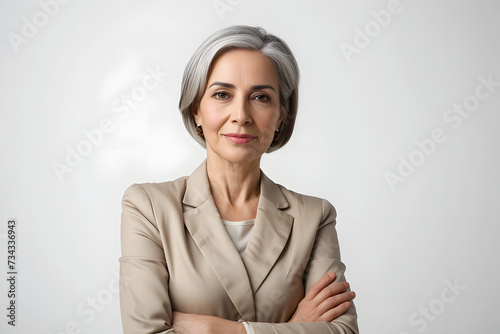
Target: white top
x=239, y=232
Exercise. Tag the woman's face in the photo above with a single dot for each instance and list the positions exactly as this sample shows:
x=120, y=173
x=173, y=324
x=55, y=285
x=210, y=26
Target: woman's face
x=240, y=109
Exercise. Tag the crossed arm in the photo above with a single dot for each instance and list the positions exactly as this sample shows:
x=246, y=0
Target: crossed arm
x=325, y=301
x=326, y=308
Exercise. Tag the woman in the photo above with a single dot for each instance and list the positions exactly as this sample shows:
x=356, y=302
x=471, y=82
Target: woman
x=226, y=250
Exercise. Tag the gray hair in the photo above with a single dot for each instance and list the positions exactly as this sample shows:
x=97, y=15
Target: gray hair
x=241, y=37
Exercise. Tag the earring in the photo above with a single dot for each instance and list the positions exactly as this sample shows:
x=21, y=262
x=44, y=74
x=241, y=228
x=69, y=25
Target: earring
x=199, y=130
x=276, y=135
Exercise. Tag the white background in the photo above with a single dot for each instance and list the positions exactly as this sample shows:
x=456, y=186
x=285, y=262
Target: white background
x=357, y=119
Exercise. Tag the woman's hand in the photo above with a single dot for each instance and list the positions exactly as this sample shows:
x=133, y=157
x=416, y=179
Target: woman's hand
x=325, y=301
x=185, y=323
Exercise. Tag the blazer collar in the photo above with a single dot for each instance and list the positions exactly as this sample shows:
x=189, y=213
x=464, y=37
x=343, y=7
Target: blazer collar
x=198, y=189
x=241, y=276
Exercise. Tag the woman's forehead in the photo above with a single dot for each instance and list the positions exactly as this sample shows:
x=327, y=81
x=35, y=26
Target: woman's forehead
x=244, y=67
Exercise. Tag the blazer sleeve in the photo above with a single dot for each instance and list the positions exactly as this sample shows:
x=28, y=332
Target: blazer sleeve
x=144, y=299
x=324, y=258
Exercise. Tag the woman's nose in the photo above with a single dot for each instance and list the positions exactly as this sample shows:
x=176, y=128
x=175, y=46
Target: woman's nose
x=241, y=112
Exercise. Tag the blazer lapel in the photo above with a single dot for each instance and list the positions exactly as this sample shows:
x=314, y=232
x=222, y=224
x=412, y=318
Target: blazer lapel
x=205, y=226
x=270, y=233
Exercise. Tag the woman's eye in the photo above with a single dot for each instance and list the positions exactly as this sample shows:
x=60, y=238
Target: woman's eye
x=262, y=98
x=221, y=95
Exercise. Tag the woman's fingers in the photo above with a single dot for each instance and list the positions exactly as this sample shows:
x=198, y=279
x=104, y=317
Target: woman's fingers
x=335, y=312
x=331, y=290
x=335, y=305
x=332, y=300
x=321, y=284
x=325, y=300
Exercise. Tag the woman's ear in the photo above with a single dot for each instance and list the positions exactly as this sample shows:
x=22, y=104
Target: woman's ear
x=282, y=116
x=196, y=115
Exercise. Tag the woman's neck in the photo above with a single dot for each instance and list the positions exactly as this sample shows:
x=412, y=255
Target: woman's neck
x=235, y=187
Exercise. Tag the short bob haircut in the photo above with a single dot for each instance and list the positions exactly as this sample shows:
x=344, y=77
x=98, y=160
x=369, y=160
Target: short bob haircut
x=249, y=38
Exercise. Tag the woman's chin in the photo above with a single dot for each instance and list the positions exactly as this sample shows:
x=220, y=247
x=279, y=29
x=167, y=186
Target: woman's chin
x=240, y=156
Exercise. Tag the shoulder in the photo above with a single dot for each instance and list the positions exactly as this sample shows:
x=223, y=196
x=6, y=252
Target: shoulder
x=155, y=193
x=308, y=205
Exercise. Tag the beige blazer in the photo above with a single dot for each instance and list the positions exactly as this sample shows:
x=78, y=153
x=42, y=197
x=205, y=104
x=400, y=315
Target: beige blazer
x=177, y=256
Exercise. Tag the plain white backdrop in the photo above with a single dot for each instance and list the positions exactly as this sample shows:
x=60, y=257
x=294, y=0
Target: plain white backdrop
x=398, y=127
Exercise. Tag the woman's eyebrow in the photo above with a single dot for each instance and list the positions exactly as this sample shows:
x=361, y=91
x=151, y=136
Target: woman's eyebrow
x=228, y=85
x=258, y=87
x=223, y=84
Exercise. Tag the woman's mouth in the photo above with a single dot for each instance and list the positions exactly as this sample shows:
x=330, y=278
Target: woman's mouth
x=239, y=138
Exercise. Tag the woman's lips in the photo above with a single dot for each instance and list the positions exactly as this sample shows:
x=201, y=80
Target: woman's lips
x=239, y=138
